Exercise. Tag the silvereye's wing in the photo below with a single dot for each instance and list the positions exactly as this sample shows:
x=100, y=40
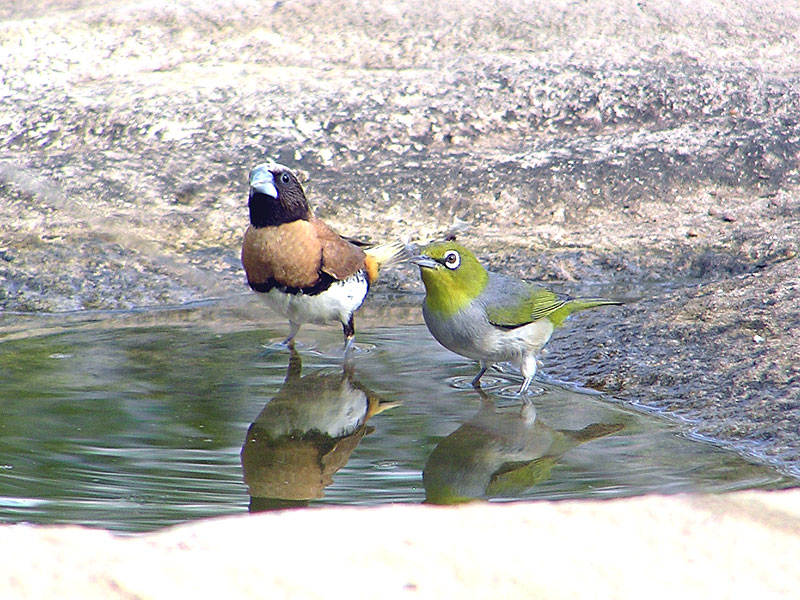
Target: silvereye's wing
x=513, y=303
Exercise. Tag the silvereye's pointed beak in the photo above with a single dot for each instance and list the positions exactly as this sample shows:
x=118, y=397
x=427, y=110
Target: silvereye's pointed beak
x=263, y=181
x=425, y=262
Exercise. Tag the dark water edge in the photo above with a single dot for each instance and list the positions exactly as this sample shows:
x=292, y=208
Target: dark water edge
x=136, y=420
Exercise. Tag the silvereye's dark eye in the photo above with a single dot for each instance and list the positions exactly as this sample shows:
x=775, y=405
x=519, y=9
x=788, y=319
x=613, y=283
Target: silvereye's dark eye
x=451, y=260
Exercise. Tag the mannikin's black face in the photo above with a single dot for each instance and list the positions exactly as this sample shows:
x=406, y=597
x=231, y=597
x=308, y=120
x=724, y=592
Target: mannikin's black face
x=276, y=197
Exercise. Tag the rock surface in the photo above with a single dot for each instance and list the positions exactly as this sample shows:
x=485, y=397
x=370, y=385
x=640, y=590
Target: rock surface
x=744, y=545
x=651, y=147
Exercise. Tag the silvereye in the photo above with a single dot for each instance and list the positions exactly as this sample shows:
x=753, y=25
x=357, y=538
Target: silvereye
x=500, y=453
x=487, y=316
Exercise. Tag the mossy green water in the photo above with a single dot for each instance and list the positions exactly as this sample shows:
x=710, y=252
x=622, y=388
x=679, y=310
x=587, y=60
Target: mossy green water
x=134, y=421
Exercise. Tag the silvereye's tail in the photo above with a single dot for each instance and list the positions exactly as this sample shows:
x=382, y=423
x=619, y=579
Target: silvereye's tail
x=381, y=255
x=558, y=316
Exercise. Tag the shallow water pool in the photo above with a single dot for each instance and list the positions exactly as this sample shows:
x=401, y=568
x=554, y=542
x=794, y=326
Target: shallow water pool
x=133, y=421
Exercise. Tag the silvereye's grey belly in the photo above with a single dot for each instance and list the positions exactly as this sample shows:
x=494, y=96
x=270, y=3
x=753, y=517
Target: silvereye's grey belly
x=468, y=332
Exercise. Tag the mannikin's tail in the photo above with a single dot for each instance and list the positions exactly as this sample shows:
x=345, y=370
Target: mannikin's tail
x=382, y=255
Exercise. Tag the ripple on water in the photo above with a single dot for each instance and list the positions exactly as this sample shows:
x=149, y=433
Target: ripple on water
x=188, y=414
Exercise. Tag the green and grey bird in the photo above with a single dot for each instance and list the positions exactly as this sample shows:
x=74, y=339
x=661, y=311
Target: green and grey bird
x=501, y=453
x=487, y=316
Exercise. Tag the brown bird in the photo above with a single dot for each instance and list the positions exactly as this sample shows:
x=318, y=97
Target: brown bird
x=301, y=267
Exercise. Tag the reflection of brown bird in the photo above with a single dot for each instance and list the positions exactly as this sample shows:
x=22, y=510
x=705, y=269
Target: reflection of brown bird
x=304, y=270
x=304, y=435
x=500, y=453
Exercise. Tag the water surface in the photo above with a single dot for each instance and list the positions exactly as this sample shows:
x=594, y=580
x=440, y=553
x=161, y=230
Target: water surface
x=137, y=420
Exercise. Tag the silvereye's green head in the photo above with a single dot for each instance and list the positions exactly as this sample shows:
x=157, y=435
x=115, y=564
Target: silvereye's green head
x=452, y=275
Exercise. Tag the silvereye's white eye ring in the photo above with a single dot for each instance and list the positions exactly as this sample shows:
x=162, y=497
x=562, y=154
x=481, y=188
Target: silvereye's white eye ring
x=451, y=260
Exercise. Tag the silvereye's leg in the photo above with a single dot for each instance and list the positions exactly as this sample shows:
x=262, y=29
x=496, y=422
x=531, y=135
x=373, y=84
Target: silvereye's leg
x=528, y=369
x=484, y=365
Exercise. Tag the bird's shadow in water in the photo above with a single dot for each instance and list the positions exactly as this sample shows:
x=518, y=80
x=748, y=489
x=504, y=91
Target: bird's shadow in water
x=500, y=452
x=305, y=434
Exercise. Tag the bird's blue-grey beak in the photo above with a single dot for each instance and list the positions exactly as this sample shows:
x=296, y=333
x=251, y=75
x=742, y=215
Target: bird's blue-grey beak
x=425, y=262
x=262, y=181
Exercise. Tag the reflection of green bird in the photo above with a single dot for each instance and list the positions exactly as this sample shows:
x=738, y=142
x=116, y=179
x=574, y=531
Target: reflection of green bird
x=499, y=453
x=487, y=316
x=304, y=435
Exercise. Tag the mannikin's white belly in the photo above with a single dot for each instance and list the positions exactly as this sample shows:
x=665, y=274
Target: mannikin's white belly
x=336, y=303
x=334, y=411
